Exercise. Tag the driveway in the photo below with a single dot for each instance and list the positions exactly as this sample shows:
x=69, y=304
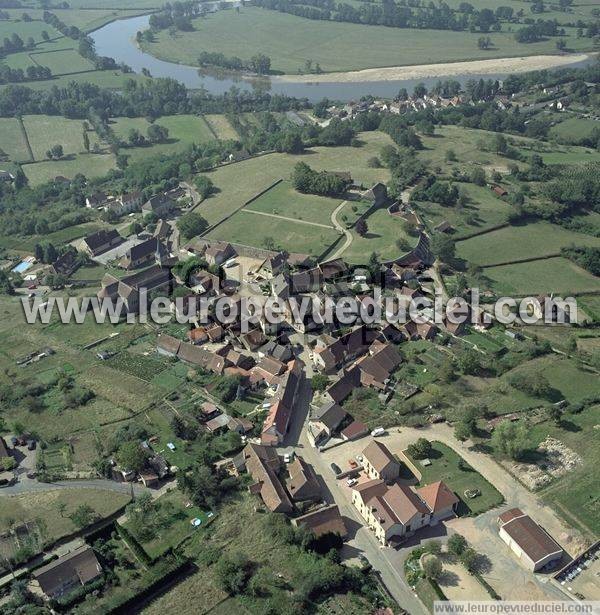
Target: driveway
x=117, y=252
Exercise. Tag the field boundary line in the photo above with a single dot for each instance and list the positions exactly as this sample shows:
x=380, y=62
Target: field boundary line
x=264, y=213
x=529, y=259
x=26, y=137
x=490, y=229
x=210, y=128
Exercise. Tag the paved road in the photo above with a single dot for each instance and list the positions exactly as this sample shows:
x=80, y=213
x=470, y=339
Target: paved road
x=342, y=229
x=34, y=486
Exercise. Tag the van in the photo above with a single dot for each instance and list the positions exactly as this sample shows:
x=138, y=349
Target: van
x=378, y=431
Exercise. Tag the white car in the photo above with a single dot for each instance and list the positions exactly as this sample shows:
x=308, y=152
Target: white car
x=288, y=457
x=378, y=431
x=351, y=482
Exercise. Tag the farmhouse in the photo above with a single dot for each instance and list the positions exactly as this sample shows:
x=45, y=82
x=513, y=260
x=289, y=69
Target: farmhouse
x=101, y=241
x=324, y=421
x=379, y=463
x=218, y=253
x=529, y=541
x=144, y=253
x=67, y=573
x=302, y=483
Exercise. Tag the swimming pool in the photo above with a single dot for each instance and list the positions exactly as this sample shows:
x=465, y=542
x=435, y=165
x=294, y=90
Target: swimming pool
x=22, y=266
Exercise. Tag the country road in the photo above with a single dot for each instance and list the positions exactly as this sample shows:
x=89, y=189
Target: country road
x=348, y=235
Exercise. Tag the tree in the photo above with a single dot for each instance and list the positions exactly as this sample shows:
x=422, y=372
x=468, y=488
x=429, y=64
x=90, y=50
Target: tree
x=191, y=224
x=468, y=558
x=361, y=227
x=510, y=439
x=461, y=431
x=443, y=247
x=478, y=176
x=484, y=42
x=131, y=456
x=83, y=515
x=135, y=228
x=434, y=547
x=421, y=449
x=319, y=382
x=122, y=161
x=86, y=141
x=55, y=152
x=232, y=573
x=432, y=567
x=157, y=133
x=457, y=544
x=468, y=361
x=204, y=186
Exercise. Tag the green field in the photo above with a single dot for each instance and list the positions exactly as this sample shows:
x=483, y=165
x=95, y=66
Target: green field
x=45, y=505
x=518, y=242
x=239, y=182
x=12, y=140
x=283, y=200
x=90, y=165
x=574, y=495
x=183, y=131
x=262, y=231
x=445, y=466
x=26, y=29
x=63, y=61
x=335, y=46
x=44, y=131
x=221, y=127
x=573, y=130
x=483, y=210
x=551, y=275
x=383, y=232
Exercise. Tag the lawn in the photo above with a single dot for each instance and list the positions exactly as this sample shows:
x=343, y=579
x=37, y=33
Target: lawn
x=25, y=29
x=284, y=200
x=483, y=210
x=221, y=127
x=383, y=232
x=446, y=466
x=590, y=305
x=90, y=165
x=183, y=131
x=335, y=46
x=47, y=506
x=12, y=140
x=239, y=182
x=172, y=523
x=512, y=243
x=63, y=61
x=551, y=275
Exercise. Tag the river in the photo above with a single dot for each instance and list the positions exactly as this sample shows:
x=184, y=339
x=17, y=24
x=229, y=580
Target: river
x=117, y=40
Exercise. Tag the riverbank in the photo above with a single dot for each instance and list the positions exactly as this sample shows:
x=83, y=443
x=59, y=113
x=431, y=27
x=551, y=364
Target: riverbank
x=442, y=70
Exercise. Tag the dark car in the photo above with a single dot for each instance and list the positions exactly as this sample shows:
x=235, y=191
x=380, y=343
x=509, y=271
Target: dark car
x=31, y=445
x=14, y=441
x=336, y=468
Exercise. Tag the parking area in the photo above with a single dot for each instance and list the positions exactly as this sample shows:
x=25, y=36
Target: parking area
x=117, y=252
x=582, y=578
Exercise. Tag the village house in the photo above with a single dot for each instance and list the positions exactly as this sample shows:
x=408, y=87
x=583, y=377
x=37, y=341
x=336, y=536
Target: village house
x=397, y=511
x=378, y=365
x=324, y=421
x=528, y=540
x=379, y=463
x=129, y=288
x=263, y=464
x=101, y=241
x=142, y=254
x=279, y=414
x=302, y=483
x=327, y=520
x=67, y=573
x=218, y=253
x=160, y=205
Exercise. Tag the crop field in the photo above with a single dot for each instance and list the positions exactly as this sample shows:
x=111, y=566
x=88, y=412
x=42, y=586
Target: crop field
x=12, y=140
x=383, y=232
x=551, y=275
x=335, y=46
x=183, y=131
x=63, y=61
x=283, y=200
x=573, y=130
x=518, y=242
x=90, y=165
x=483, y=210
x=221, y=126
x=239, y=182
